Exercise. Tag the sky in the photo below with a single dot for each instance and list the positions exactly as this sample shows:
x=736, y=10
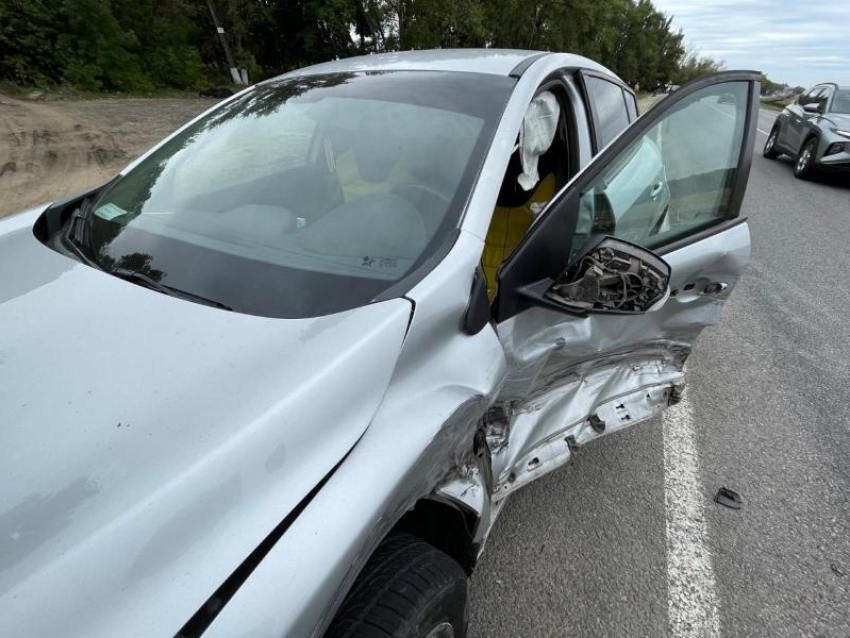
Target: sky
x=799, y=42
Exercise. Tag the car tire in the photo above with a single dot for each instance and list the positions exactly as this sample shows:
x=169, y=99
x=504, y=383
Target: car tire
x=770, y=151
x=804, y=163
x=408, y=589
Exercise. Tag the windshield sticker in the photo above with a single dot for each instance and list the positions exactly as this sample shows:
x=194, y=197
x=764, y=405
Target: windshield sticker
x=109, y=212
x=379, y=262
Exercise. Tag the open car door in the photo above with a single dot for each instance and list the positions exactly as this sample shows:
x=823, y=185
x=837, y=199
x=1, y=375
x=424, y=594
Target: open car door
x=600, y=305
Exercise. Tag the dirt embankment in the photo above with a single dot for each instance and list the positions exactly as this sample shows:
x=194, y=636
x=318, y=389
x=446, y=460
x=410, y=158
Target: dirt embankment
x=49, y=150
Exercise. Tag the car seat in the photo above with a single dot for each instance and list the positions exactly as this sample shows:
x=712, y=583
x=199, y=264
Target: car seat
x=370, y=164
x=512, y=218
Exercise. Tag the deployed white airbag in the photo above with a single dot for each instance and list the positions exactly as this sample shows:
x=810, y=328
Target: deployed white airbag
x=536, y=136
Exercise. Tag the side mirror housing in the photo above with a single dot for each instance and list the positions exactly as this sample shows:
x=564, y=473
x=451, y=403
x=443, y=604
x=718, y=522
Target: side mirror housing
x=611, y=277
x=812, y=107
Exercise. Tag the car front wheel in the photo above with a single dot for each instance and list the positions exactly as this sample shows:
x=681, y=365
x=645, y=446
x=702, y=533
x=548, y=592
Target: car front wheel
x=770, y=151
x=408, y=589
x=804, y=164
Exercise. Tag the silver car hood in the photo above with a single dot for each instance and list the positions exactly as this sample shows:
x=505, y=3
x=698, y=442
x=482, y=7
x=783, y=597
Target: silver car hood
x=149, y=444
x=839, y=119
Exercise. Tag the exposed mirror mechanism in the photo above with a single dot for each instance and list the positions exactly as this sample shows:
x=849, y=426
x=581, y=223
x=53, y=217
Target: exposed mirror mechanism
x=615, y=277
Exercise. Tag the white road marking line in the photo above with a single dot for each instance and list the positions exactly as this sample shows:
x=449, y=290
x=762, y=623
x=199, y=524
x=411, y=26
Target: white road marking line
x=721, y=111
x=692, y=603
x=731, y=117
x=768, y=115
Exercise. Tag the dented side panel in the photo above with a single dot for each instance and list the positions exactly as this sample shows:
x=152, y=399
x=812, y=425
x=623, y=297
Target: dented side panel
x=573, y=379
x=422, y=437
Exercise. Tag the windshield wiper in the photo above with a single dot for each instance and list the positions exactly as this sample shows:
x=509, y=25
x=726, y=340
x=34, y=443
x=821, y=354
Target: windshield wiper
x=138, y=277
x=77, y=236
x=78, y=227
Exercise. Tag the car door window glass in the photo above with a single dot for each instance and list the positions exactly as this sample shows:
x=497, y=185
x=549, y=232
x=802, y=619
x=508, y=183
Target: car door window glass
x=841, y=103
x=608, y=108
x=659, y=189
x=631, y=105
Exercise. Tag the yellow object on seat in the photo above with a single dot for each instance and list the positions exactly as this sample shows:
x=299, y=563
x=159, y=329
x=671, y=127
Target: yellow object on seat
x=507, y=228
x=353, y=185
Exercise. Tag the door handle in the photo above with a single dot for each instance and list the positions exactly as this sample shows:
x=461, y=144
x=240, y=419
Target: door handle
x=656, y=189
x=714, y=288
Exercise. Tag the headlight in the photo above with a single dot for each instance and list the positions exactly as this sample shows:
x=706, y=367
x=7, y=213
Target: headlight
x=838, y=131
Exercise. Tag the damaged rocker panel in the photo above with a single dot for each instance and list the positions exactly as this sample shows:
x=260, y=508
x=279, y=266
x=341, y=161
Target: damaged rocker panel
x=523, y=439
x=611, y=416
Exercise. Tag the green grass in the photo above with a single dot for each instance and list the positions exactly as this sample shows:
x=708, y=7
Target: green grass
x=777, y=104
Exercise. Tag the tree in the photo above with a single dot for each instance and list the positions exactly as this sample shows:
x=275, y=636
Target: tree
x=168, y=34
x=28, y=33
x=99, y=53
x=144, y=44
x=693, y=66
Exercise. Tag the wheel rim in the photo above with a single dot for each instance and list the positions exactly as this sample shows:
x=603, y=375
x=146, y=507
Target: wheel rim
x=805, y=156
x=771, y=141
x=443, y=630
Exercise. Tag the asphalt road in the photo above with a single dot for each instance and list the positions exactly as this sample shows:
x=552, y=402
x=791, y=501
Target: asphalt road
x=626, y=540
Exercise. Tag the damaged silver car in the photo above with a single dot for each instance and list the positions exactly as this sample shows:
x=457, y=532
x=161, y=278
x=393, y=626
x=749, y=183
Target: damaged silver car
x=280, y=375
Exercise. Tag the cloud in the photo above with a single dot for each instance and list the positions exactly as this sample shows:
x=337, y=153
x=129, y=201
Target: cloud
x=785, y=37
x=795, y=42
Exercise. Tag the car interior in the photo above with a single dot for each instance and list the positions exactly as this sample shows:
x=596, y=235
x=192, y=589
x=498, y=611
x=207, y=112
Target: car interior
x=516, y=206
x=374, y=196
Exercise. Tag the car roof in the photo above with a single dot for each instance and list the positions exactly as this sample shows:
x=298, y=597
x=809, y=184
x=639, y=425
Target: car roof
x=503, y=62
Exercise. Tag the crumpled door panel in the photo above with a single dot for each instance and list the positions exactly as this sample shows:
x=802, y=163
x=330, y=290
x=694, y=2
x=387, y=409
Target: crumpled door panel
x=573, y=379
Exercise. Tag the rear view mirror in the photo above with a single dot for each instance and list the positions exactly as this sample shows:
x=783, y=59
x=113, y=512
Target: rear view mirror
x=812, y=107
x=614, y=277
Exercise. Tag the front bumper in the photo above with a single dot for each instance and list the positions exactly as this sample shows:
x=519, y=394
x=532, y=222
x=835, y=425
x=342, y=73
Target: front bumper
x=836, y=161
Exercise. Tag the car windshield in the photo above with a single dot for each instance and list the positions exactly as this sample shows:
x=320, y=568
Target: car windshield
x=841, y=102
x=305, y=196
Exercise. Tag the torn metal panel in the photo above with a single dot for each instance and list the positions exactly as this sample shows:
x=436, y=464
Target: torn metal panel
x=471, y=487
x=571, y=406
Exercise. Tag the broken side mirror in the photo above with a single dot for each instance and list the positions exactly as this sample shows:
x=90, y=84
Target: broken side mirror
x=612, y=276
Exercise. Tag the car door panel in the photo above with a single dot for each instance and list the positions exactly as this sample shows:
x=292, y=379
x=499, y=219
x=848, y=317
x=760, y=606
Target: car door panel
x=623, y=369
x=572, y=378
x=808, y=120
x=788, y=133
x=797, y=118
